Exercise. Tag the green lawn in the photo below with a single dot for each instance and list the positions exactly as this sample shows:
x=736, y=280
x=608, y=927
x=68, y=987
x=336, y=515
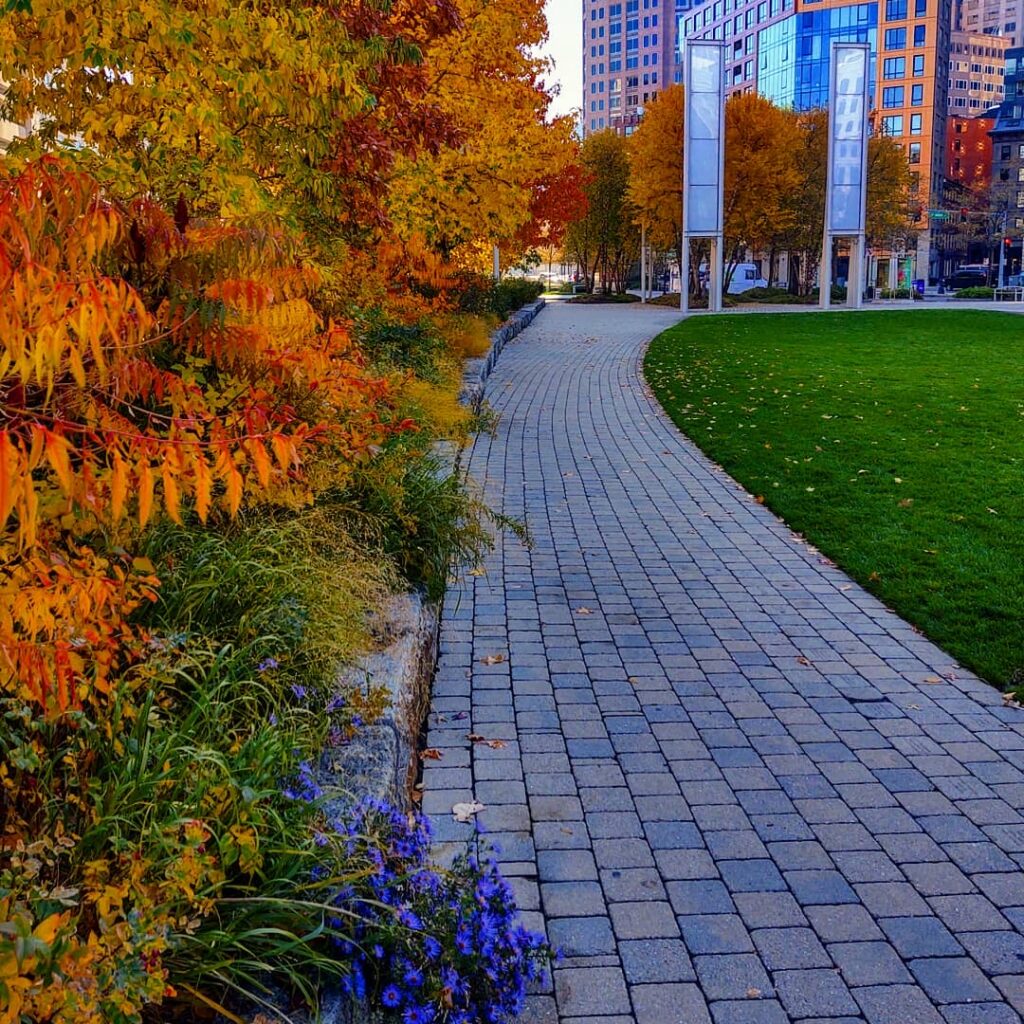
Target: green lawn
x=894, y=441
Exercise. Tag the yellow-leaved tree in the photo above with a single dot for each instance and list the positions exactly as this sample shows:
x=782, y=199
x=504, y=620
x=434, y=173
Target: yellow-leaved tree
x=761, y=172
x=486, y=79
x=656, y=170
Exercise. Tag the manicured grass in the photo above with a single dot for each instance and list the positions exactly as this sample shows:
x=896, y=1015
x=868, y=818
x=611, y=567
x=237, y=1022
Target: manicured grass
x=894, y=441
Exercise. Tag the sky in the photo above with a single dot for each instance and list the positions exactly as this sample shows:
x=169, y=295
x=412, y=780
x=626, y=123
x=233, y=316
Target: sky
x=565, y=46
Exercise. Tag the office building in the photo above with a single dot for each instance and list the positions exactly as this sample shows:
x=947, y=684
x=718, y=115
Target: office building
x=976, y=67
x=629, y=56
x=1004, y=18
x=780, y=48
x=969, y=151
x=1008, y=145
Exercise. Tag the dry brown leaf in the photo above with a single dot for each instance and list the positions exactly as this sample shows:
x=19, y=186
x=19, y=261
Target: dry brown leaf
x=584, y=611
x=431, y=754
x=492, y=659
x=475, y=737
x=803, y=661
x=464, y=812
x=753, y=993
x=495, y=744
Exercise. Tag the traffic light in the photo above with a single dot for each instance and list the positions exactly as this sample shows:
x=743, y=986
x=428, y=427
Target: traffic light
x=963, y=214
x=1007, y=242
x=917, y=214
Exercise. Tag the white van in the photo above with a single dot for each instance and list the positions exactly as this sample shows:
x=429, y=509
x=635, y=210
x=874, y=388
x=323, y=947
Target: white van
x=745, y=277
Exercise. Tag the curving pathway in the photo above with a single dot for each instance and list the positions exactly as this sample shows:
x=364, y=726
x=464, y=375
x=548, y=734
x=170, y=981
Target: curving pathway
x=730, y=783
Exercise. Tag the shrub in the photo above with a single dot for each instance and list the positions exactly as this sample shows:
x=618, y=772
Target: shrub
x=482, y=295
x=895, y=293
x=768, y=295
x=512, y=293
x=977, y=292
x=597, y=298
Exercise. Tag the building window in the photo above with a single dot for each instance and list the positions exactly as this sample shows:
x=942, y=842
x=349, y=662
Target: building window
x=919, y=65
x=1004, y=152
x=920, y=8
x=895, y=10
x=914, y=153
x=916, y=95
x=915, y=124
x=892, y=96
x=919, y=35
x=892, y=125
x=1020, y=174
x=894, y=67
x=895, y=38
x=1020, y=200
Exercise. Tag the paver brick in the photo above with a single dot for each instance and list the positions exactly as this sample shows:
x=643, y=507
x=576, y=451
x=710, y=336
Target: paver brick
x=655, y=960
x=672, y=770
x=669, y=1004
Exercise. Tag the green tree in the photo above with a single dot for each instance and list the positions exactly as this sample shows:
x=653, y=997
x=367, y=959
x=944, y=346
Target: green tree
x=605, y=242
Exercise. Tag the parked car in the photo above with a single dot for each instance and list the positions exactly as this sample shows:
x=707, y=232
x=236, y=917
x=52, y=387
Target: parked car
x=745, y=277
x=968, y=276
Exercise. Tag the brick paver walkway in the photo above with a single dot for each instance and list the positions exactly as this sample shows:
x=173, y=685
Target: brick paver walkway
x=732, y=785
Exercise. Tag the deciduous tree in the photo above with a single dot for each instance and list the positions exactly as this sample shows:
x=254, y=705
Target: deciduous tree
x=487, y=79
x=606, y=241
x=761, y=172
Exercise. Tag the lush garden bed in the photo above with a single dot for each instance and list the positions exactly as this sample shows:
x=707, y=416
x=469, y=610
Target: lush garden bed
x=894, y=441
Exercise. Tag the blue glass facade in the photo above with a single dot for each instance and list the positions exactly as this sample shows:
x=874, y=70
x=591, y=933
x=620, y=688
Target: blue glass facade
x=793, y=54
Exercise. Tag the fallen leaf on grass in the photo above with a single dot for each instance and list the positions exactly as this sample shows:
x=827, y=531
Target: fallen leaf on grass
x=465, y=812
x=431, y=754
x=874, y=577
x=493, y=659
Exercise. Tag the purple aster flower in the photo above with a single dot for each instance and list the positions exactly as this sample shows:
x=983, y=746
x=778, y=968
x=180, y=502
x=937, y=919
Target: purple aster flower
x=391, y=997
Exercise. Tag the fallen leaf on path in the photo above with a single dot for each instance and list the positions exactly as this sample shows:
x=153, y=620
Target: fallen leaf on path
x=754, y=993
x=464, y=812
x=932, y=679
x=584, y=611
x=475, y=737
x=478, y=571
x=431, y=754
x=493, y=659
x=803, y=661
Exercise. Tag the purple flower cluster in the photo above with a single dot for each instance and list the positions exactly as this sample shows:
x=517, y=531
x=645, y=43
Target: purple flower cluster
x=431, y=945
x=304, y=786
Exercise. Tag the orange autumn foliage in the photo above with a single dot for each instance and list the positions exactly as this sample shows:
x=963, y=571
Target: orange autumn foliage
x=143, y=361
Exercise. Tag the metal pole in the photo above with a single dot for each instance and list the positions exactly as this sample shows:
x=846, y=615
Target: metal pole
x=684, y=276
x=1002, y=253
x=497, y=264
x=716, y=269
x=643, y=262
